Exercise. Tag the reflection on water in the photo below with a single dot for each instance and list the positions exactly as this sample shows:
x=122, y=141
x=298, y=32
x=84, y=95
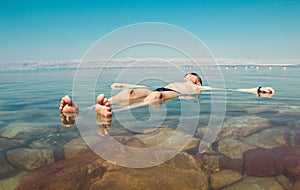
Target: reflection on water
x=258, y=145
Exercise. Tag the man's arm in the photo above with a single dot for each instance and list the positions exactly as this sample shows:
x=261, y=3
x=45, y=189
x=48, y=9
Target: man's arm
x=125, y=86
x=260, y=91
x=200, y=88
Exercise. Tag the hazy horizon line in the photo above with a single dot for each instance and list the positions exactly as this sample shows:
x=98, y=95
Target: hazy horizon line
x=146, y=62
x=218, y=59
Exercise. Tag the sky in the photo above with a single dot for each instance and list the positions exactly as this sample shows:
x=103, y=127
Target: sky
x=59, y=30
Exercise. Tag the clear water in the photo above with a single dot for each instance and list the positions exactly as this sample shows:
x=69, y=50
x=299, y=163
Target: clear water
x=34, y=96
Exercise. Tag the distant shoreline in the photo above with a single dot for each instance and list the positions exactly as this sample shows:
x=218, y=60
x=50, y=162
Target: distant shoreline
x=146, y=63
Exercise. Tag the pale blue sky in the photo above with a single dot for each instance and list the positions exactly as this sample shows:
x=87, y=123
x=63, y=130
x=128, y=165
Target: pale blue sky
x=58, y=30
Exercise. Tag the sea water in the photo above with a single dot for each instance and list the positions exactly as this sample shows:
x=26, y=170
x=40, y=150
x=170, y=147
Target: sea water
x=32, y=97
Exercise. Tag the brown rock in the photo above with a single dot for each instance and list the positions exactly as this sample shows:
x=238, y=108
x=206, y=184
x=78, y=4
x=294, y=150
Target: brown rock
x=179, y=173
x=216, y=162
x=297, y=184
x=129, y=141
x=289, y=157
x=71, y=173
x=163, y=136
x=270, y=162
x=227, y=163
x=253, y=183
x=262, y=162
x=268, y=138
x=74, y=146
x=285, y=182
x=211, y=162
x=224, y=178
x=155, y=137
x=30, y=158
x=11, y=183
x=233, y=148
x=88, y=171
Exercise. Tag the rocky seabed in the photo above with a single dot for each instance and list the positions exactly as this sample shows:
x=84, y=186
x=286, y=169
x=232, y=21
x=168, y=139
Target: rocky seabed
x=249, y=153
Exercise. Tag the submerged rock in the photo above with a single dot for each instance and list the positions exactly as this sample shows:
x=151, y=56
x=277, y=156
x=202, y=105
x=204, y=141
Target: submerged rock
x=88, y=171
x=268, y=138
x=272, y=162
x=261, y=183
x=74, y=146
x=129, y=141
x=294, y=124
x=30, y=158
x=297, y=184
x=11, y=183
x=224, y=178
x=286, y=115
x=206, y=131
x=72, y=132
x=289, y=109
x=233, y=148
x=25, y=130
x=119, y=131
x=211, y=163
x=294, y=137
x=243, y=126
x=164, y=135
x=256, y=110
x=177, y=173
x=232, y=164
x=285, y=182
x=262, y=162
x=10, y=143
x=215, y=162
x=289, y=157
x=54, y=142
x=156, y=137
x=6, y=169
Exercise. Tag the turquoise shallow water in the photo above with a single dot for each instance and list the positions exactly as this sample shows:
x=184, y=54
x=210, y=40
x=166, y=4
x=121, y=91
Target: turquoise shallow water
x=33, y=97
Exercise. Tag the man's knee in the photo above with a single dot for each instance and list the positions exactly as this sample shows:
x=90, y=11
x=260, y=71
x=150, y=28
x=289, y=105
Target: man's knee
x=139, y=93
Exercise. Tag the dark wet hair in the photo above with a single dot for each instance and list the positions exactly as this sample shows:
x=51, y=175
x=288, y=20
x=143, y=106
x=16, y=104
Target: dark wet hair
x=195, y=74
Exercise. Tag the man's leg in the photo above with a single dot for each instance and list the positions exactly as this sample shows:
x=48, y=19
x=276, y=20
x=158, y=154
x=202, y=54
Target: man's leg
x=103, y=104
x=152, y=99
x=163, y=96
x=129, y=94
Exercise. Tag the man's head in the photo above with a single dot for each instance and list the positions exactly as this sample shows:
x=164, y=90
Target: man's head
x=193, y=77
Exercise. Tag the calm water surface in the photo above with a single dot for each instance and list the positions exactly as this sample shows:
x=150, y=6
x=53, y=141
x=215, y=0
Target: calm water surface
x=34, y=96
